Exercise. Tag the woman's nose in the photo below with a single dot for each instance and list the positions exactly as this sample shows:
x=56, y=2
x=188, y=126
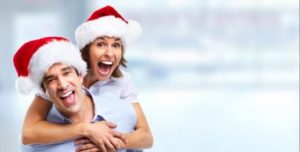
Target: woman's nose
x=109, y=51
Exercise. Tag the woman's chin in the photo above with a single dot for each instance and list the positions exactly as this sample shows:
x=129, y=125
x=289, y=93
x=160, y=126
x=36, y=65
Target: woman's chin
x=103, y=76
x=104, y=73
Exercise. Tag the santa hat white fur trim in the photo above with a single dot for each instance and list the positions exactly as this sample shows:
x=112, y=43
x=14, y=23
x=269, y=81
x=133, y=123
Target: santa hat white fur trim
x=107, y=26
x=24, y=85
x=47, y=55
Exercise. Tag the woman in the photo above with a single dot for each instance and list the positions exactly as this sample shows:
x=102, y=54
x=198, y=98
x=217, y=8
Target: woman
x=102, y=39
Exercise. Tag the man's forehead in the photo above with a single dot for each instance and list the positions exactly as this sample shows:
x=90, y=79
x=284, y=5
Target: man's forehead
x=59, y=67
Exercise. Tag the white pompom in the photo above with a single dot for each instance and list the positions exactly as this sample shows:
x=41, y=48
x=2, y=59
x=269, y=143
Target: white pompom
x=135, y=31
x=24, y=85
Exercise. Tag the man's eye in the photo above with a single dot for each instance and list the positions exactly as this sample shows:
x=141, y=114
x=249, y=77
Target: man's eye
x=67, y=73
x=48, y=81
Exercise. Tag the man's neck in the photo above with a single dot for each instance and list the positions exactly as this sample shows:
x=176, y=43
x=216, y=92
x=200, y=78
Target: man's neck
x=86, y=112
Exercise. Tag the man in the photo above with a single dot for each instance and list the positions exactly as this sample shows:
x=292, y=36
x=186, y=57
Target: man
x=54, y=67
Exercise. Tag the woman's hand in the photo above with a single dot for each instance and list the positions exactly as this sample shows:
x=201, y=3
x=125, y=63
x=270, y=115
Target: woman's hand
x=119, y=143
x=103, y=136
x=85, y=145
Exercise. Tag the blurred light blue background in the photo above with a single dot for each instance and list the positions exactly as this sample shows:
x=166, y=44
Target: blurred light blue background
x=213, y=76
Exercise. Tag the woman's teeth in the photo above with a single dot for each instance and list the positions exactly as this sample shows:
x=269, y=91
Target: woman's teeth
x=107, y=62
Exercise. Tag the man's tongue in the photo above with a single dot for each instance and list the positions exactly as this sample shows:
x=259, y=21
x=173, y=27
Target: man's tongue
x=69, y=100
x=104, y=69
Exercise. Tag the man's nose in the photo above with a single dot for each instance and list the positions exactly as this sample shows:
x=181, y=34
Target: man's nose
x=62, y=84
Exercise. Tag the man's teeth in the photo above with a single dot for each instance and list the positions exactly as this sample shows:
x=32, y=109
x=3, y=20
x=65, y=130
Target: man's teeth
x=67, y=94
x=107, y=62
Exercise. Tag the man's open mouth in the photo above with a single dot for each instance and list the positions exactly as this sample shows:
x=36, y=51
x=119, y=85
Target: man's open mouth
x=68, y=98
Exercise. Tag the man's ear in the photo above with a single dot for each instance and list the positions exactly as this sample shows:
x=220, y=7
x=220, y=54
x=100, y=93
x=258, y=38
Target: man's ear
x=43, y=86
x=81, y=78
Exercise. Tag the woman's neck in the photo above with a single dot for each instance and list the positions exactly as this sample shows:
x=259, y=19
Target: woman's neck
x=89, y=80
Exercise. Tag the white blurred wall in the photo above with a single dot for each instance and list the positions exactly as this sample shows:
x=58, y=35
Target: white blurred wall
x=212, y=76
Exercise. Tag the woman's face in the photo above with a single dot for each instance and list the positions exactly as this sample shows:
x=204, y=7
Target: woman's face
x=105, y=55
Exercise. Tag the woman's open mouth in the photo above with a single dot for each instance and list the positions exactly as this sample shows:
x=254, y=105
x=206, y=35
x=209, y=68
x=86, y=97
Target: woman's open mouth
x=105, y=67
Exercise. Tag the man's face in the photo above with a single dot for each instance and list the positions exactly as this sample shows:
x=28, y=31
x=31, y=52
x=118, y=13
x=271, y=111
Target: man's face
x=63, y=85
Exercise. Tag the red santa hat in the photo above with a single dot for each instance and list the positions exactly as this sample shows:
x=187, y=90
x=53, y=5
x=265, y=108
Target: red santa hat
x=35, y=57
x=107, y=21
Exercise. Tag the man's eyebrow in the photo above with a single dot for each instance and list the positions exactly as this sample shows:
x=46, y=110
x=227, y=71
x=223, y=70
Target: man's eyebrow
x=66, y=68
x=46, y=77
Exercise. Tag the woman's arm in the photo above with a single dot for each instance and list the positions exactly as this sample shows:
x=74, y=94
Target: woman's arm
x=142, y=137
x=37, y=130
